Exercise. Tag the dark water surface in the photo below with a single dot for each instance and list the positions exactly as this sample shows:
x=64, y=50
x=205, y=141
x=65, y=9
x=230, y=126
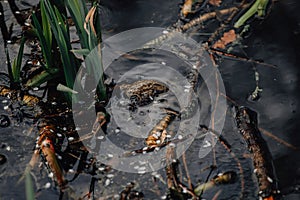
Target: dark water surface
x=276, y=41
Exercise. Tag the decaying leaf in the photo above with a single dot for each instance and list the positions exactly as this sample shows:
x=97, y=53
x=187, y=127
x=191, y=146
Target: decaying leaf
x=187, y=7
x=215, y=2
x=227, y=38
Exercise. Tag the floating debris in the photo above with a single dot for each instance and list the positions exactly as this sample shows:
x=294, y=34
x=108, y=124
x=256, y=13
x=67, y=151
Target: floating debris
x=262, y=160
x=223, y=178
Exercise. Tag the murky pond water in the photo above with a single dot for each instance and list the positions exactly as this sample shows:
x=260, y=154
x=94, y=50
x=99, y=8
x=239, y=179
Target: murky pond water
x=276, y=42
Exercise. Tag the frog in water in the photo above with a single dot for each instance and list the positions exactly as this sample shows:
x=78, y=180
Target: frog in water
x=142, y=92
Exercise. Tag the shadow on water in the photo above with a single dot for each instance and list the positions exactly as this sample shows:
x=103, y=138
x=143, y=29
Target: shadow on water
x=275, y=41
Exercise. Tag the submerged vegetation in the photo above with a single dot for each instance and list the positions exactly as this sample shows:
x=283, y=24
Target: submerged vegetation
x=54, y=68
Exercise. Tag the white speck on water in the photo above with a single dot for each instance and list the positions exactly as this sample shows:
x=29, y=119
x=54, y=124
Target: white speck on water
x=50, y=175
x=47, y=185
x=145, y=148
x=155, y=136
x=101, y=137
x=207, y=144
x=142, y=162
x=110, y=175
x=107, y=182
x=270, y=180
x=110, y=155
x=123, y=103
x=101, y=168
x=163, y=63
x=141, y=172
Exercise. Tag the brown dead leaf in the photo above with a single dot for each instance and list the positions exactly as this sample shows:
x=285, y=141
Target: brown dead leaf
x=215, y=2
x=187, y=7
x=227, y=38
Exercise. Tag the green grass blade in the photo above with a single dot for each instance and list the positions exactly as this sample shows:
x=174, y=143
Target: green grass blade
x=41, y=78
x=9, y=68
x=78, y=11
x=29, y=187
x=82, y=52
x=46, y=25
x=16, y=67
x=60, y=33
x=46, y=49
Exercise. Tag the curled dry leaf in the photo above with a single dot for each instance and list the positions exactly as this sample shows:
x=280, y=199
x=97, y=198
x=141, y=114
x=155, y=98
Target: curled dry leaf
x=227, y=38
x=187, y=7
x=215, y=2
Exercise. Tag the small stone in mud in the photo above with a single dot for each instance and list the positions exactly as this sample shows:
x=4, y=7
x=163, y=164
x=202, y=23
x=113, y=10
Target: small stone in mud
x=4, y=121
x=3, y=159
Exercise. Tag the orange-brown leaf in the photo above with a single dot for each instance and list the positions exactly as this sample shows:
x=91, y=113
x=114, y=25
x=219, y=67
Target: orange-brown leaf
x=227, y=38
x=215, y=2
